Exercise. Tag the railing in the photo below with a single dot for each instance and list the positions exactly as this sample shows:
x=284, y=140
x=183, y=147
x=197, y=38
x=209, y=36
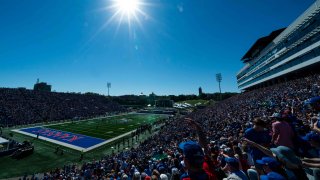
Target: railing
x=288, y=52
x=307, y=56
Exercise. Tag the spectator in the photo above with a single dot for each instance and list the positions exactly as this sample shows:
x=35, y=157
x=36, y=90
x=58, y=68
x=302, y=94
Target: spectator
x=282, y=133
x=233, y=170
x=272, y=176
x=258, y=135
x=314, y=140
x=270, y=168
x=286, y=157
x=21, y=106
x=193, y=158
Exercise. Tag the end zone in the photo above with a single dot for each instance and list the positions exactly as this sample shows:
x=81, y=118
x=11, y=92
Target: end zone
x=71, y=140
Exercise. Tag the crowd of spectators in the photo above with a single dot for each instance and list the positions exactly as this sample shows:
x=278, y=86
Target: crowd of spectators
x=268, y=133
x=21, y=106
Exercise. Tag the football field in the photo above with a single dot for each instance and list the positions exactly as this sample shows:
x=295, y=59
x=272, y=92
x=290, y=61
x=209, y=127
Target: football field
x=86, y=135
x=107, y=130
x=109, y=127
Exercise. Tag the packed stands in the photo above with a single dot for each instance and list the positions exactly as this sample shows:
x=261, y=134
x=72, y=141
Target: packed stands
x=21, y=106
x=269, y=132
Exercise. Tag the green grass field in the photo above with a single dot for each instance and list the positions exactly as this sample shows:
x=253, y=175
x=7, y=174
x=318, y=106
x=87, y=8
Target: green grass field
x=107, y=128
x=44, y=159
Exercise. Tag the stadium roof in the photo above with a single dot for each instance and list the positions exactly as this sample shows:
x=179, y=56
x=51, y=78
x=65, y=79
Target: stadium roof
x=260, y=44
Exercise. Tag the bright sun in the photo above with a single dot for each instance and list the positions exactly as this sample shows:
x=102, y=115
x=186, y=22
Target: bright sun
x=129, y=12
x=127, y=7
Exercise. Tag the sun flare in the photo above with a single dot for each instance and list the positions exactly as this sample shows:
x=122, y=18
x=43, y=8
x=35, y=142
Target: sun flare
x=128, y=8
x=129, y=12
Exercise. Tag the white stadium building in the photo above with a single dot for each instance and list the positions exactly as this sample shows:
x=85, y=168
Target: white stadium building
x=285, y=54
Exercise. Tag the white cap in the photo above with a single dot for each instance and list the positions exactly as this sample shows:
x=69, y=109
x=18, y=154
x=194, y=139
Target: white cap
x=137, y=174
x=182, y=163
x=163, y=177
x=174, y=171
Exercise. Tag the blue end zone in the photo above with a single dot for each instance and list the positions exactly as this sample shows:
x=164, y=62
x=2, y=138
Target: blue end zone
x=65, y=137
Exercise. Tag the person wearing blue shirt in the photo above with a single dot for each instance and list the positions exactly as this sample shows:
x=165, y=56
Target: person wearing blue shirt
x=258, y=135
x=233, y=166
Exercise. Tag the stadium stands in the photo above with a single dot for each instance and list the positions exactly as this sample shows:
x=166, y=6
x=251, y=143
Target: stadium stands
x=21, y=106
x=231, y=133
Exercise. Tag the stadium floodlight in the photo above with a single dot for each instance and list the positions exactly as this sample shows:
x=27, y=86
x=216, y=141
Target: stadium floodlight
x=108, y=86
x=219, y=79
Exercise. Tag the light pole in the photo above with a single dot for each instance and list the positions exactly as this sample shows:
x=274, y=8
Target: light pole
x=219, y=79
x=108, y=86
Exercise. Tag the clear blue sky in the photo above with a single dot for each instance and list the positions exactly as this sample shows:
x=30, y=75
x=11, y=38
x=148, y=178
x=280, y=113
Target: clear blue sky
x=178, y=47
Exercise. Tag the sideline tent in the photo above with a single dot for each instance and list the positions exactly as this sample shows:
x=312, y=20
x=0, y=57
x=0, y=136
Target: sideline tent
x=4, y=143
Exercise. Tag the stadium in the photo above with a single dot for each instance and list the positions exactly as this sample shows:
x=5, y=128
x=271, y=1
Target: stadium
x=269, y=130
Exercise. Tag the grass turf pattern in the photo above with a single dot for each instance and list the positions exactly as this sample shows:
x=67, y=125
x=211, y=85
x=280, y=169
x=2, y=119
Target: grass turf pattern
x=107, y=128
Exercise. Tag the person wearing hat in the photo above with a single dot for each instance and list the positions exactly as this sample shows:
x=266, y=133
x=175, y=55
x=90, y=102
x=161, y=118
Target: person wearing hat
x=272, y=176
x=270, y=167
x=225, y=153
x=175, y=175
x=143, y=175
x=163, y=177
x=314, y=140
x=147, y=178
x=124, y=177
x=136, y=176
x=259, y=135
x=156, y=173
x=285, y=156
x=233, y=169
x=290, y=161
x=193, y=158
x=314, y=163
x=282, y=132
x=208, y=165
